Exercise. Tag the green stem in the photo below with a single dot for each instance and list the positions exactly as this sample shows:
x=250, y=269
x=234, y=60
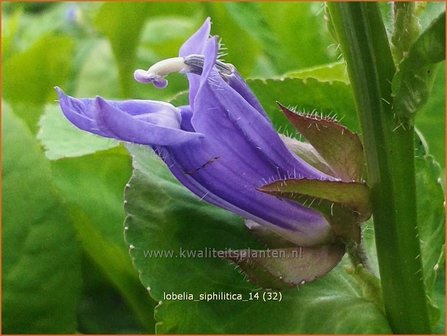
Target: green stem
x=389, y=149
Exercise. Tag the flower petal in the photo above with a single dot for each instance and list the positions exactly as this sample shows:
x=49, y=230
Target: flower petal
x=230, y=164
x=140, y=121
x=132, y=129
x=196, y=43
x=230, y=189
x=221, y=105
x=186, y=114
x=238, y=84
x=78, y=112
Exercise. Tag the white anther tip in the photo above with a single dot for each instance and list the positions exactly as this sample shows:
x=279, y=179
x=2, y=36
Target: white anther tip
x=146, y=77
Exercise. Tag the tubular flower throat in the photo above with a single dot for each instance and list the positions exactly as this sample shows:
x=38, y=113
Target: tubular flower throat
x=222, y=146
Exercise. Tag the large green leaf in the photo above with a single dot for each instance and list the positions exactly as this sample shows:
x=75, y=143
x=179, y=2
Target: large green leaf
x=164, y=221
x=41, y=265
x=99, y=214
x=102, y=308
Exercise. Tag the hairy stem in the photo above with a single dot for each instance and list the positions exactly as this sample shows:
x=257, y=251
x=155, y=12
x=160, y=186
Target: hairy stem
x=389, y=149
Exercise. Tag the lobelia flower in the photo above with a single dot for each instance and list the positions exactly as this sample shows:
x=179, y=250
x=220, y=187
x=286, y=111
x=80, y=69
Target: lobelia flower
x=222, y=146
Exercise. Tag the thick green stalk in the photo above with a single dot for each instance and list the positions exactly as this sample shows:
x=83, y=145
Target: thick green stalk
x=389, y=148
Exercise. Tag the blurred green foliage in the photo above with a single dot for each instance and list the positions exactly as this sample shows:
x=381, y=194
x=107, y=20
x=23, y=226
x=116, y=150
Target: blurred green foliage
x=64, y=255
x=41, y=255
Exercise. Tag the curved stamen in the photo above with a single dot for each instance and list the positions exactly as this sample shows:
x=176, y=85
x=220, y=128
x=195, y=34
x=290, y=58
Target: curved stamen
x=191, y=64
x=156, y=73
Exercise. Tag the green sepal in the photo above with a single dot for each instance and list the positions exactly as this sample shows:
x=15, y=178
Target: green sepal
x=339, y=147
x=343, y=204
x=287, y=267
x=308, y=153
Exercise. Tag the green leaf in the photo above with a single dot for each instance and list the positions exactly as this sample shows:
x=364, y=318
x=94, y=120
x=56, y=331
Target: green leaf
x=10, y=27
x=249, y=16
x=306, y=95
x=325, y=73
x=29, y=76
x=98, y=72
x=439, y=300
x=431, y=217
x=99, y=214
x=41, y=265
x=300, y=29
x=413, y=81
x=428, y=12
x=339, y=147
x=431, y=118
x=102, y=308
x=61, y=139
x=164, y=218
x=429, y=47
x=232, y=33
x=110, y=20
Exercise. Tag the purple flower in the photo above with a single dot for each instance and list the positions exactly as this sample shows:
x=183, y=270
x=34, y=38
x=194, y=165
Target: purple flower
x=221, y=146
